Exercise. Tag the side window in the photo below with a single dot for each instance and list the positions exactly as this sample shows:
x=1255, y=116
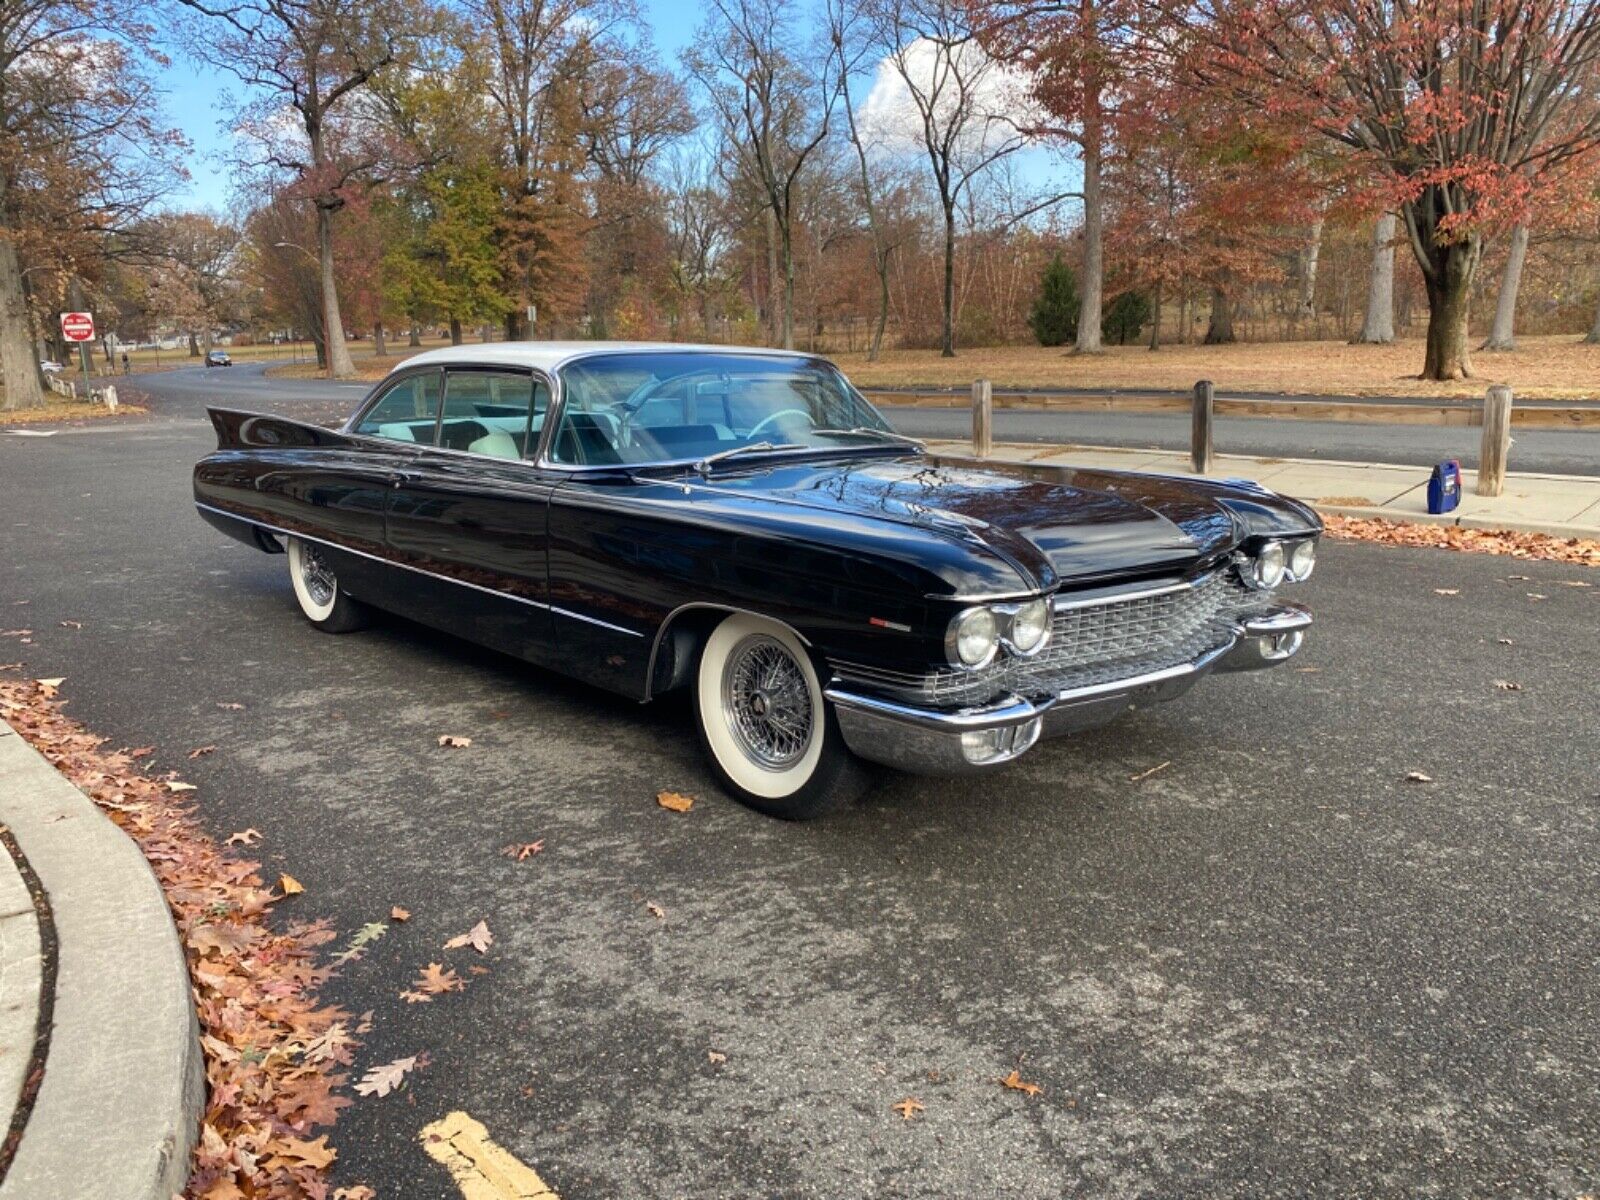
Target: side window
x=406, y=412
x=498, y=413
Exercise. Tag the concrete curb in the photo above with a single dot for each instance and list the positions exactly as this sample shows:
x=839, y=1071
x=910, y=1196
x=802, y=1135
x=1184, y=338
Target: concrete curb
x=119, y=1106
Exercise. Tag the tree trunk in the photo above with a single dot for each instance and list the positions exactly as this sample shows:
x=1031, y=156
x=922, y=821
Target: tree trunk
x=1503, y=333
x=787, y=243
x=1092, y=292
x=1377, y=327
x=772, y=277
x=455, y=331
x=1310, y=255
x=1155, y=319
x=340, y=365
x=1220, y=330
x=194, y=344
x=947, y=345
x=1593, y=336
x=379, y=346
x=19, y=364
x=414, y=337
x=1449, y=295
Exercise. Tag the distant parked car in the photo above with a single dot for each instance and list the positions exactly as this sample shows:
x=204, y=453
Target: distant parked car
x=50, y=367
x=216, y=358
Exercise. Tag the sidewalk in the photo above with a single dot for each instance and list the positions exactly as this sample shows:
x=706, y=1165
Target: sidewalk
x=1560, y=505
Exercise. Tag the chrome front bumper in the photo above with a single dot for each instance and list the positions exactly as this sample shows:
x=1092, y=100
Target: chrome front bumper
x=947, y=742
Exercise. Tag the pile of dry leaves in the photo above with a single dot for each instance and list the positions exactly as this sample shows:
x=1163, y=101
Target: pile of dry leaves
x=276, y=1058
x=1584, y=552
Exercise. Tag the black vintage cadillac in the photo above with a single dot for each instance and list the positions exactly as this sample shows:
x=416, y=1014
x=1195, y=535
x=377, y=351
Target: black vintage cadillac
x=745, y=525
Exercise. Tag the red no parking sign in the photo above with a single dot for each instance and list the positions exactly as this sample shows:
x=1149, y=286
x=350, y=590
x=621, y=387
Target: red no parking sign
x=77, y=326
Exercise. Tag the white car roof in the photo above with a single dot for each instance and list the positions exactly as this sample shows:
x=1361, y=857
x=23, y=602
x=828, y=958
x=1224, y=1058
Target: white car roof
x=548, y=356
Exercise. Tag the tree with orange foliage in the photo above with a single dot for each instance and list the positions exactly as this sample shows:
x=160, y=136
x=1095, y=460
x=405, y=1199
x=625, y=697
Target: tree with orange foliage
x=1459, y=114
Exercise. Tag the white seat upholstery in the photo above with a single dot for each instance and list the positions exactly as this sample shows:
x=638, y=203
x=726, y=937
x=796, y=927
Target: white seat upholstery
x=497, y=443
x=397, y=431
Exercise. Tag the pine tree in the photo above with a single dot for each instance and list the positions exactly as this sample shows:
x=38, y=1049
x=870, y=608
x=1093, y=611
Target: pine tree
x=1054, y=318
x=1125, y=318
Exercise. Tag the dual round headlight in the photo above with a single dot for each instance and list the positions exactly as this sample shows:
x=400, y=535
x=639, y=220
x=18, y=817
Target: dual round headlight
x=1276, y=562
x=976, y=635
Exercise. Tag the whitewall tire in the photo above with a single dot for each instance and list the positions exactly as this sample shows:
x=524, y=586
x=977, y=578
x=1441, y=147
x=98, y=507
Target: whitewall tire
x=317, y=589
x=770, y=736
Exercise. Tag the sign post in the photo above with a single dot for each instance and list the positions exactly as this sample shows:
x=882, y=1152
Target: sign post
x=78, y=327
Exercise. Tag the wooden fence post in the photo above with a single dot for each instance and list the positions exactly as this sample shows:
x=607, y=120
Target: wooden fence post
x=982, y=418
x=1496, y=441
x=1200, y=428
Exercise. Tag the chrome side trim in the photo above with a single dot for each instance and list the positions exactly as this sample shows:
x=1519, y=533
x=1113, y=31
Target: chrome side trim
x=389, y=562
x=1062, y=603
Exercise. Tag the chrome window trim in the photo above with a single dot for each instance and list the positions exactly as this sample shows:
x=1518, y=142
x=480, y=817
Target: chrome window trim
x=477, y=587
x=381, y=389
x=400, y=374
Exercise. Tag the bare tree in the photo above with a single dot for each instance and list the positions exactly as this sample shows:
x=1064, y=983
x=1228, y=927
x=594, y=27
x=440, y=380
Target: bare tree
x=775, y=112
x=314, y=58
x=1377, y=327
x=953, y=87
x=853, y=42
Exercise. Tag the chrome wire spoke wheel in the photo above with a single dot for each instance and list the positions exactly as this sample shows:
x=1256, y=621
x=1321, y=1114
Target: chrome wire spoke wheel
x=314, y=573
x=767, y=702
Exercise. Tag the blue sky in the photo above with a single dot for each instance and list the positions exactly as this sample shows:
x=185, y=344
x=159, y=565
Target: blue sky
x=196, y=100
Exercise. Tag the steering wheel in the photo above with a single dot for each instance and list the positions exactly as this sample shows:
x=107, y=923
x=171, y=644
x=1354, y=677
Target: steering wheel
x=772, y=419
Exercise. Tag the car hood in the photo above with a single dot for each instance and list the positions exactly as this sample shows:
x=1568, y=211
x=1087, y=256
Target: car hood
x=1052, y=525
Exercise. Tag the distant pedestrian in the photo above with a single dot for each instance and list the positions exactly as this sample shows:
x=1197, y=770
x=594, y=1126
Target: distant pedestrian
x=125, y=369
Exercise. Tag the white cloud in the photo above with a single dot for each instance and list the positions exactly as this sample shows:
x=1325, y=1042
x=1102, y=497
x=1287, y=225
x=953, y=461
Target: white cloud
x=890, y=117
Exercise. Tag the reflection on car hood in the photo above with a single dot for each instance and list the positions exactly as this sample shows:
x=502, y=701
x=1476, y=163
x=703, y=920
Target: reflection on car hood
x=1080, y=525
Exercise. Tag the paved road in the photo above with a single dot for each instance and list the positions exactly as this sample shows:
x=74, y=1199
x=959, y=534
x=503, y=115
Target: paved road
x=185, y=392
x=1271, y=968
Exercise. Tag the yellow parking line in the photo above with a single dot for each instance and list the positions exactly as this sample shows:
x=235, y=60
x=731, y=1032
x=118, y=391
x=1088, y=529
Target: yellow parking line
x=482, y=1169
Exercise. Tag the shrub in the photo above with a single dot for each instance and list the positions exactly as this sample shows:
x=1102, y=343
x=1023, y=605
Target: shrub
x=1126, y=316
x=1054, y=318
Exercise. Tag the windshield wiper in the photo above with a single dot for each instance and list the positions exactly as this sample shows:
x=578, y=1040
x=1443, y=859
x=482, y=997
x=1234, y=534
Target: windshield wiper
x=704, y=465
x=871, y=431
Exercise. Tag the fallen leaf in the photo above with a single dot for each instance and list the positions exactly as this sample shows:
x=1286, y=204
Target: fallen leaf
x=674, y=801
x=1150, y=772
x=16, y=633
x=1519, y=576
x=49, y=686
x=16, y=666
x=1418, y=777
x=365, y=936
x=1505, y=641
x=1574, y=583
x=908, y=1108
x=176, y=785
x=72, y=624
x=716, y=1057
x=1447, y=591
x=245, y=837
x=478, y=937
x=359, y=1192
x=1506, y=685
x=201, y=751
x=655, y=910
x=290, y=885
x=436, y=979
x=414, y=997
x=232, y=706
x=289, y=1153
x=1015, y=1082
x=1308, y=670
x=382, y=1080
x=454, y=742
x=142, y=752
x=399, y=914
x=1537, y=596
x=523, y=850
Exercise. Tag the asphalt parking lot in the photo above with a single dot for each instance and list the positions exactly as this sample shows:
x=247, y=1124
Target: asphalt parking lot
x=1270, y=967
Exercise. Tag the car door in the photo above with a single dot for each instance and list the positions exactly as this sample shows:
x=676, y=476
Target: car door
x=468, y=517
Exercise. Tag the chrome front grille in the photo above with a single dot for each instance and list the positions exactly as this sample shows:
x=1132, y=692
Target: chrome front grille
x=1091, y=643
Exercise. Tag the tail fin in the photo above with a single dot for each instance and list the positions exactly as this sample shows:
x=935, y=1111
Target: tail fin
x=237, y=429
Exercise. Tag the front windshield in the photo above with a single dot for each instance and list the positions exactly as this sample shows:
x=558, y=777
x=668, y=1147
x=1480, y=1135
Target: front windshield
x=663, y=406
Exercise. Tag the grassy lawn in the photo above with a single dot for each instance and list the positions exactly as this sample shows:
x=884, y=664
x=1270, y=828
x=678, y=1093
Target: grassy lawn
x=1553, y=368
x=60, y=409
x=1549, y=368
